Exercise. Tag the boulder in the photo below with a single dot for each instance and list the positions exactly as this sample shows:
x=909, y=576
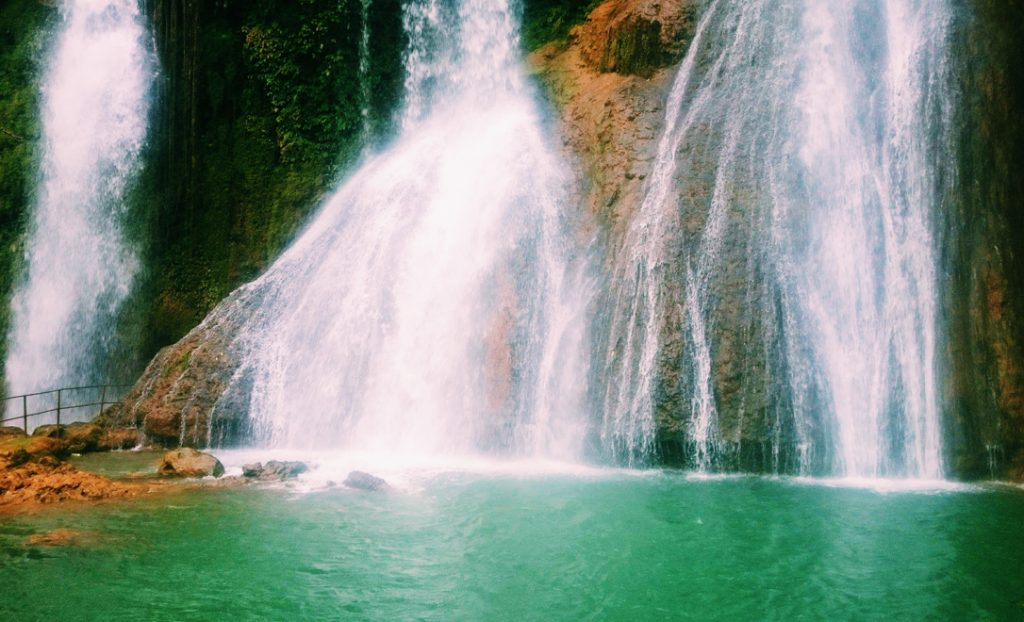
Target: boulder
x=11, y=431
x=50, y=430
x=283, y=470
x=364, y=481
x=82, y=437
x=42, y=446
x=275, y=469
x=188, y=462
x=120, y=438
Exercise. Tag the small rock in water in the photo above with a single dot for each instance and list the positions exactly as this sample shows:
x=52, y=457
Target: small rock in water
x=188, y=462
x=365, y=481
x=276, y=469
x=253, y=469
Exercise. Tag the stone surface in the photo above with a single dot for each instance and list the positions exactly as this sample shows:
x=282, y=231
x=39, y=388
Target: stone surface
x=253, y=469
x=32, y=484
x=188, y=462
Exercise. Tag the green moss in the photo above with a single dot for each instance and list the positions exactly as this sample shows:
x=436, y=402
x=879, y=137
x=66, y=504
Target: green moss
x=275, y=121
x=545, y=21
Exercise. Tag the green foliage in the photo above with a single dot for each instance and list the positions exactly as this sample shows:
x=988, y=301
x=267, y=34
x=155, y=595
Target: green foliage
x=307, y=58
x=550, y=20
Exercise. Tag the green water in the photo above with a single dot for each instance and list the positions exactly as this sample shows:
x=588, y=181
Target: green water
x=503, y=547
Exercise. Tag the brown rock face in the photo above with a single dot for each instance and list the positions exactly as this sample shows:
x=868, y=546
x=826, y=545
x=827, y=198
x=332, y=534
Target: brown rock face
x=188, y=462
x=609, y=82
x=633, y=37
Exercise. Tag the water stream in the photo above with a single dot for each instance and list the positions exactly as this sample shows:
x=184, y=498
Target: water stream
x=435, y=301
x=79, y=266
x=824, y=128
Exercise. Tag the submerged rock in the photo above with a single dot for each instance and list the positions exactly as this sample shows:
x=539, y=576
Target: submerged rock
x=188, y=462
x=275, y=469
x=62, y=537
x=364, y=481
x=283, y=470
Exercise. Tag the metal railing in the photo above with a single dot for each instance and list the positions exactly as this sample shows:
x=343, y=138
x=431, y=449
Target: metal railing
x=108, y=394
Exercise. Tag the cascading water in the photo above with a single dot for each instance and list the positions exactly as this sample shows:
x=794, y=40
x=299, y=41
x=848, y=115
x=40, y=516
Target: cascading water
x=814, y=137
x=434, y=302
x=79, y=267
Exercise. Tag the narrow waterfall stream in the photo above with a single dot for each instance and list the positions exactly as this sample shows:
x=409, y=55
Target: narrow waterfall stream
x=434, y=303
x=808, y=146
x=79, y=265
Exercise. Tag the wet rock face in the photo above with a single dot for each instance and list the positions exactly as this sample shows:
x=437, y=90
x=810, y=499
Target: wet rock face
x=610, y=81
x=188, y=462
x=984, y=251
x=636, y=37
x=178, y=399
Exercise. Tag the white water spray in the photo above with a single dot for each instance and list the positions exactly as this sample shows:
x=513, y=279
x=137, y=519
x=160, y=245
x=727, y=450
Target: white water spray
x=79, y=267
x=827, y=123
x=433, y=305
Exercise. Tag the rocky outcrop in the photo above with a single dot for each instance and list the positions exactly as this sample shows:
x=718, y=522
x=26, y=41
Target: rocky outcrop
x=188, y=462
x=36, y=483
x=175, y=400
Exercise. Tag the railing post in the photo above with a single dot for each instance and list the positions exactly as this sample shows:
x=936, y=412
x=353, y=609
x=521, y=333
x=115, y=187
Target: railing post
x=24, y=412
x=103, y=398
x=59, y=434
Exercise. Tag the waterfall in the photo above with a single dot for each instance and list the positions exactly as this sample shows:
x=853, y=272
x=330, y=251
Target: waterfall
x=806, y=144
x=79, y=265
x=435, y=303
